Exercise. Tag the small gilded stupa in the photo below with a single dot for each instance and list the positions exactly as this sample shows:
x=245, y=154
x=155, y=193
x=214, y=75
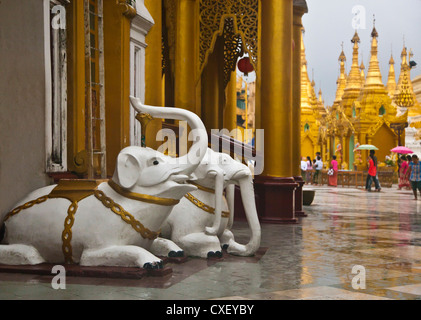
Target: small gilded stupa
x=406, y=100
x=353, y=81
x=391, y=79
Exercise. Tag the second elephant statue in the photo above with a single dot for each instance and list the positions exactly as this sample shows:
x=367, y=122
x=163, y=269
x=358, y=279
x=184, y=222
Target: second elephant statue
x=200, y=224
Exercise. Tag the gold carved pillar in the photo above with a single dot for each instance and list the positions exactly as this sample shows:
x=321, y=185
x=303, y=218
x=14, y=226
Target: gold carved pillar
x=276, y=85
x=276, y=186
x=153, y=70
x=296, y=100
x=298, y=12
x=185, y=89
x=117, y=20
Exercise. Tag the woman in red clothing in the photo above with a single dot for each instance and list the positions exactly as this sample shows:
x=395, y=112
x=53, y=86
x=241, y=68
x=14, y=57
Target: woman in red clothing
x=333, y=179
x=403, y=174
x=372, y=173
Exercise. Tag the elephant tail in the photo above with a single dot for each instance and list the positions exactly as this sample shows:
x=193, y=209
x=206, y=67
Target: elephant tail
x=2, y=231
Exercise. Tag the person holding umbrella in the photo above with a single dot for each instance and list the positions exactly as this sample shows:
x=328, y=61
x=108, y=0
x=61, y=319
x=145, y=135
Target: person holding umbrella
x=405, y=160
x=372, y=173
x=403, y=174
x=333, y=177
x=415, y=175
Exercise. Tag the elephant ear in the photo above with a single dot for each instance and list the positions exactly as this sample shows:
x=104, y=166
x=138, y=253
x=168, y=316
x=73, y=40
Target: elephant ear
x=128, y=170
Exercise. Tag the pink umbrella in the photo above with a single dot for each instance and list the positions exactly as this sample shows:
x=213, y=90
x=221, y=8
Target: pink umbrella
x=402, y=150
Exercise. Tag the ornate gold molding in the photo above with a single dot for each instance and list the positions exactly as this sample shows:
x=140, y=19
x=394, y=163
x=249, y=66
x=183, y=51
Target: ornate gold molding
x=128, y=8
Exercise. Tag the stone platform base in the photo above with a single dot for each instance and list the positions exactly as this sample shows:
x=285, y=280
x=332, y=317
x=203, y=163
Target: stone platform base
x=74, y=270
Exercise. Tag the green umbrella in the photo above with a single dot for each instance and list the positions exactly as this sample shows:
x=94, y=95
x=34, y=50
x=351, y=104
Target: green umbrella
x=367, y=147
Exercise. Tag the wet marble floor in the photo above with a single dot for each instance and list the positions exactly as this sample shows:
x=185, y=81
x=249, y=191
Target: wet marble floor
x=352, y=245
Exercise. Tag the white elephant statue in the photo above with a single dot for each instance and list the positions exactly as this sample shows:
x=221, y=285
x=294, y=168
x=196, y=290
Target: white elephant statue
x=106, y=223
x=200, y=224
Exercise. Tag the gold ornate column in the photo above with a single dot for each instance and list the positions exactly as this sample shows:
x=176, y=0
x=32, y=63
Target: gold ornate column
x=185, y=89
x=276, y=186
x=117, y=20
x=76, y=88
x=153, y=69
x=298, y=12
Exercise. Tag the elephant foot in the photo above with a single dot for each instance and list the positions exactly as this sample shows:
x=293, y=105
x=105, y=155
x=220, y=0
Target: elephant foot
x=121, y=256
x=213, y=255
x=200, y=245
x=176, y=254
x=166, y=248
x=153, y=265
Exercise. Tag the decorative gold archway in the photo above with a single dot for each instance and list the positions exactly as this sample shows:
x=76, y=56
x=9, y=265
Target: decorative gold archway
x=238, y=21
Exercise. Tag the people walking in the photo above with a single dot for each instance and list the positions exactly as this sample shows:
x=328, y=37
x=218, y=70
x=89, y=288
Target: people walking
x=333, y=177
x=318, y=166
x=309, y=170
x=415, y=175
x=403, y=173
x=303, y=168
x=372, y=173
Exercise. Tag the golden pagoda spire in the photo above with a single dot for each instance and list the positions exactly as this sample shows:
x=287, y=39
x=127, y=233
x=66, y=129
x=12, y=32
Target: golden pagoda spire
x=353, y=81
x=391, y=80
x=305, y=81
x=362, y=68
x=320, y=95
x=341, y=82
x=321, y=109
x=354, y=78
x=313, y=97
x=374, y=77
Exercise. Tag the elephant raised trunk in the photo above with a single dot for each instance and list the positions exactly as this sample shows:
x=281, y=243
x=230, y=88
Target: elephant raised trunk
x=189, y=162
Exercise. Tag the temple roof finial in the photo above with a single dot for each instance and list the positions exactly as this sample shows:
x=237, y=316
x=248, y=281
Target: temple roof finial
x=355, y=38
x=374, y=33
x=342, y=56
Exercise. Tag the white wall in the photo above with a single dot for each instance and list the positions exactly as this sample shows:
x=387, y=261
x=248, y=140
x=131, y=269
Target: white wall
x=140, y=27
x=22, y=100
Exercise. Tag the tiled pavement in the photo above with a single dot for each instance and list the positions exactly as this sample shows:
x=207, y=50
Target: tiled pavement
x=312, y=260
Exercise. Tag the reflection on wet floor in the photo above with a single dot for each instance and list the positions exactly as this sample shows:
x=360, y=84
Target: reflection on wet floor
x=313, y=260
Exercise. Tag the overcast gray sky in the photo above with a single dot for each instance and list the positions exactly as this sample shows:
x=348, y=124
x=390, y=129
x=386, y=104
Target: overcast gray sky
x=331, y=22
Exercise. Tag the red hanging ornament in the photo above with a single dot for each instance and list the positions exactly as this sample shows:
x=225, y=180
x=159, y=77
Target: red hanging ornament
x=245, y=66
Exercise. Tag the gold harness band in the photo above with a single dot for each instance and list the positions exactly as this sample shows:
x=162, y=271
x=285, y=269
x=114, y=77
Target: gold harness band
x=204, y=206
x=201, y=187
x=142, y=197
x=75, y=191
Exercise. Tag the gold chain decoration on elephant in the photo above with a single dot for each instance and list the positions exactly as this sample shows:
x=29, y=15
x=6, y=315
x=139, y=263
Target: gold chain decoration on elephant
x=204, y=206
x=125, y=216
x=66, y=236
x=212, y=14
x=25, y=206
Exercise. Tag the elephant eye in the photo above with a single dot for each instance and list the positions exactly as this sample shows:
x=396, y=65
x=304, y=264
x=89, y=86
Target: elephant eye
x=156, y=162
